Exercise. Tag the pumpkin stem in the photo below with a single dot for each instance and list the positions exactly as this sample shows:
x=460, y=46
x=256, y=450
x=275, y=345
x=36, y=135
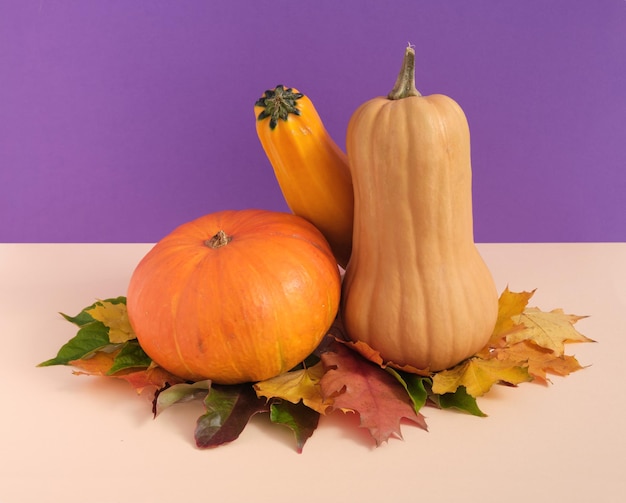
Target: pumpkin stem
x=220, y=239
x=405, y=84
x=278, y=103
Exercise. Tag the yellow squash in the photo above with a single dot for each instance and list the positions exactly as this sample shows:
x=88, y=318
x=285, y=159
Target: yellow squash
x=311, y=169
x=416, y=290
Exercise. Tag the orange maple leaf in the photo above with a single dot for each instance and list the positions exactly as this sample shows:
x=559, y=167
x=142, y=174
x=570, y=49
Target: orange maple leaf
x=153, y=377
x=540, y=361
x=98, y=364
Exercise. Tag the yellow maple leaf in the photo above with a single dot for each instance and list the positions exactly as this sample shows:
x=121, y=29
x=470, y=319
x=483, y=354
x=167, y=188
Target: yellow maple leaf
x=478, y=375
x=297, y=385
x=510, y=305
x=115, y=317
x=548, y=329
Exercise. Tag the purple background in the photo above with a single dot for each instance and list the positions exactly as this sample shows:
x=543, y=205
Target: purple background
x=120, y=120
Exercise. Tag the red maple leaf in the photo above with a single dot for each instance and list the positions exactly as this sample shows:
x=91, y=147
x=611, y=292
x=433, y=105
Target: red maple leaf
x=357, y=385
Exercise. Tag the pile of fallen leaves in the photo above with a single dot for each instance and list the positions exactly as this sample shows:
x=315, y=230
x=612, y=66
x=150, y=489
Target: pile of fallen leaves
x=527, y=344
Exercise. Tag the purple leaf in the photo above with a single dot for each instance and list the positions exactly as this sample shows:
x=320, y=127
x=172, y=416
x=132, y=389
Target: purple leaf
x=229, y=408
x=297, y=417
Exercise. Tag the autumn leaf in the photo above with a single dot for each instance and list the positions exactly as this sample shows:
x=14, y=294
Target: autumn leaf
x=179, y=393
x=460, y=400
x=84, y=317
x=295, y=386
x=478, y=375
x=112, y=360
x=510, y=306
x=115, y=317
x=151, y=379
x=102, y=362
x=97, y=365
x=229, y=408
x=540, y=361
x=357, y=385
x=91, y=337
x=419, y=389
x=299, y=418
x=95, y=331
x=130, y=356
x=415, y=385
x=550, y=330
x=372, y=355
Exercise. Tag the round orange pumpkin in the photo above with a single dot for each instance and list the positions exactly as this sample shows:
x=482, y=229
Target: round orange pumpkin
x=235, y=296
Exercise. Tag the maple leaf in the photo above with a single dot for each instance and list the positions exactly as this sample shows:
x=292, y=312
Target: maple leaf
x=510, y=305
x=550, y=330
x=540, y=361
x=478, y=375
x=357, y=385
x=115, y=317
x=295, y=386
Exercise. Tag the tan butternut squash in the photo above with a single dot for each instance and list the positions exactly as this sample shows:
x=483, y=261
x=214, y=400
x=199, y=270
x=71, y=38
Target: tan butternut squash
x=416, y=289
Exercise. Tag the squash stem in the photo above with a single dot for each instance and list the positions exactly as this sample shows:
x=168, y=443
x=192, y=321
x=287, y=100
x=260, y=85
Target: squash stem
x=277, y=104
x=405, y=84
x=220, y=239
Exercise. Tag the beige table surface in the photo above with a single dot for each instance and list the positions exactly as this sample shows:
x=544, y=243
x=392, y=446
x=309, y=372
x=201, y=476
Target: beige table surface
x=84, y=439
